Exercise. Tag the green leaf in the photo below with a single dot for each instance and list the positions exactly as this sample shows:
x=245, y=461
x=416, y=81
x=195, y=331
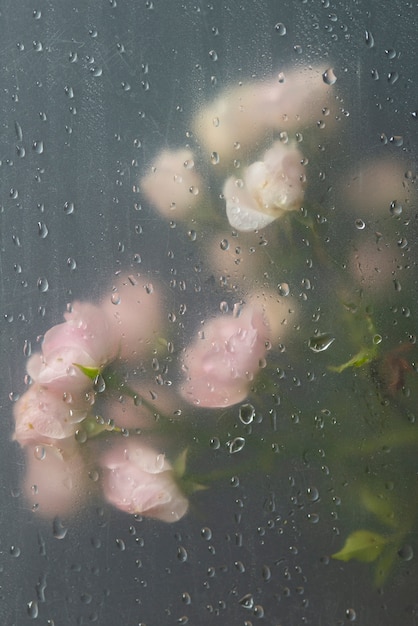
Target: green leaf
x=179, y=465
x=385, y=564
x=361, y=545
x=380, y=506
x=364, y=356
x=90, y=372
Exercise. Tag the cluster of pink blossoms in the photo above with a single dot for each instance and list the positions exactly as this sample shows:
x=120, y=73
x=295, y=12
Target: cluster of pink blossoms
x=55, y=420
x=261, y=180
x=52, y=416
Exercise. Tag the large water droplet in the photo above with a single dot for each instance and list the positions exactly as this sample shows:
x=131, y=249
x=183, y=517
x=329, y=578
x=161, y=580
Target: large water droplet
x=33, y=610
x=247, y=601
x=246, y=413
x=280, y=29
x=58, y=529
x=321, y=342
x=329, y=77
x=369, y=39
x=236, y=445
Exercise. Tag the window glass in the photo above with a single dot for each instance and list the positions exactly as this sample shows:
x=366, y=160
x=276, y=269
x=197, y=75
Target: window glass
x=208, y=312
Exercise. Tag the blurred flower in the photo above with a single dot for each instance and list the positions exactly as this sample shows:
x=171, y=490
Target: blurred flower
x=232, y=124
x=222, y=361
x=375, y=265
x=55, y=481
x=279, y=312
x=134, y=314
x=378, y=187
x=139, y=480
x=84, y=339
x=172, y=184
x=268, y=189
x=43, y=415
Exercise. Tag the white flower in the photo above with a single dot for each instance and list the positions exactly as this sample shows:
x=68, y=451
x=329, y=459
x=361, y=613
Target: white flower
x=268, y=189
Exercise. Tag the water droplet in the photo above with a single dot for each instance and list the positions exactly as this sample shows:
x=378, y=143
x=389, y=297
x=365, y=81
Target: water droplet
x=266, y=573
x=360, y=225
x=182, y=554
x=120, y=544
x=350, y=615
x=38, y=146
x=329, y=77
x=186, y=598
x=59, y=531
x=20, y=151
x=15, y=551
x=247, y=601
x=246, y=413
x=68, y=208
x=206, y=533
x=395, y=208
x=406, y=553
x=42, y=230
x=375, y=74
x=313, y=518
x=99, y=385
x=214, y=443
x=283, y=289
x=27, y=348
x=393, y=78
x=39, y=453
x=214, y=158
x=33, y=610
x=236, y=445
x=96, y=71
x=42, y=284
x=280, y=29
x=320, y=342
x=313, y=494
x=369, y=39
x=213, y=55
x=19, y=132
x=396, y=140
x=80, y=435
x=258, y=611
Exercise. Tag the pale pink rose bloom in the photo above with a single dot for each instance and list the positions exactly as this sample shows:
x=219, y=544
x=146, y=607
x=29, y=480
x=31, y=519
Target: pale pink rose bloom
x=221, y=363
x=43, y=415
x=139, y=480
x=279, y=311
x=56, y=479
x=289, y=102
x=268, y=189
x=378, y=188
x=172, y=185
x=83, y=339
x=134, y=314
x=375, y=266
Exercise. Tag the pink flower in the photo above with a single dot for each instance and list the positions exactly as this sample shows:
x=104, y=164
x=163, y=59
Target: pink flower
x=43, y=415
x=221, y=363
x=133, y=312
x=55, y=480
x=83, y=339
x=232, y=125
x=139, y=480
x=172, y=185
x=268, y=189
